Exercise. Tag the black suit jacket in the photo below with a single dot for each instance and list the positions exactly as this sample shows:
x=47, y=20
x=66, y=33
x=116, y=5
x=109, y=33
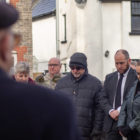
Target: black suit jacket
x=109, y=91
x=29, y=112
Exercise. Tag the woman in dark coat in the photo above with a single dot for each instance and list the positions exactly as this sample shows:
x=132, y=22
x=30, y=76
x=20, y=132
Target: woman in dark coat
x=129, y=118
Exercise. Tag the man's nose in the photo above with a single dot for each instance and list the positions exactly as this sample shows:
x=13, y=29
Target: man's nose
x=24, y=78
x=75, y=70
x=119, y=65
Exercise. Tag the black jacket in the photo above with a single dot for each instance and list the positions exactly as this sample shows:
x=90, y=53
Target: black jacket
x=85, y=93
x=130, y=111
x=109, y=91
x=29, y=112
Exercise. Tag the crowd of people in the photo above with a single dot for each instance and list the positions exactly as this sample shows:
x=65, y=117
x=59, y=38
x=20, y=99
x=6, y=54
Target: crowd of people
x=75, y=106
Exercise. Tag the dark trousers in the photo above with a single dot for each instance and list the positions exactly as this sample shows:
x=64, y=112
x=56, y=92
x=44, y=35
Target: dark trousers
x=113, y=134
x=134, y=136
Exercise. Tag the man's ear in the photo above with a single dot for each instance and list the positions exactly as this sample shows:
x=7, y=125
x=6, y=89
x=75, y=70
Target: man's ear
x=129, y=61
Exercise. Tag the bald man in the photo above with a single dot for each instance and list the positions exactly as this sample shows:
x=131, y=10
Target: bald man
x=116, y=87
x=51, y=78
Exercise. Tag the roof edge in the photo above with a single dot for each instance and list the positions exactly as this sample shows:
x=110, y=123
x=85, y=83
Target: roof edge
x=44, y=15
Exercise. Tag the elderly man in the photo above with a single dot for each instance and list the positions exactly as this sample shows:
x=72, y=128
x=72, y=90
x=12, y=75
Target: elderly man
x=29, y=112
x=84, y=89
x=51, y=78
x=116, y=88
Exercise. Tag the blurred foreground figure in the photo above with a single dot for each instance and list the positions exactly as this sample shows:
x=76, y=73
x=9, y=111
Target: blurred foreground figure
x=51, y=78
x=29, y=112
x=129, y=119
x=22, y=72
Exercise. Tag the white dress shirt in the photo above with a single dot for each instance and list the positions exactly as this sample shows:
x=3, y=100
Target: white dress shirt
x=122, y=90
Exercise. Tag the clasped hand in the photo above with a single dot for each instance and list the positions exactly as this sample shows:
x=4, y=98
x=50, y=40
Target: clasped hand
x=114, y=114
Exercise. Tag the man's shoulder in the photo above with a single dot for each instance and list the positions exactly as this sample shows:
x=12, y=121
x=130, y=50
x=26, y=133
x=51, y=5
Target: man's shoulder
x=132, y=72
x=110, y=75
x=65, y=77
x=93, y=78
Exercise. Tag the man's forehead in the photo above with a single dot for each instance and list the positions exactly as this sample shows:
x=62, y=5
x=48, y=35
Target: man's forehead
x=54, y=61
x=120, y=56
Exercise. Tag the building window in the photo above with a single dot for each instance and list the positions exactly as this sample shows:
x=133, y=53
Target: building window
x=135, y=17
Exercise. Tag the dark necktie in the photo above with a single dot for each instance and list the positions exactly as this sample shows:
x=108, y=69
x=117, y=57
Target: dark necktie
x=118, y=92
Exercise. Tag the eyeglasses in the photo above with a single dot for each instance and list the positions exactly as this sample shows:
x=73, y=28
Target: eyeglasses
x=76, y=67
x=54, y=65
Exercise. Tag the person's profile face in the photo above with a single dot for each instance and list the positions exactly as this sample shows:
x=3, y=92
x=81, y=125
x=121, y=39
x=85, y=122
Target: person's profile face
x=121, y=63
x=22, y=77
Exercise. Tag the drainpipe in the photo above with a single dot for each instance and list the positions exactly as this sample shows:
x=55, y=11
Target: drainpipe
x=57, y=29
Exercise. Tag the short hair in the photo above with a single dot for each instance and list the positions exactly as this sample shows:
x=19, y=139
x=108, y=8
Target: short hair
x=22, y=67
x=124, y=52
x=138, y=63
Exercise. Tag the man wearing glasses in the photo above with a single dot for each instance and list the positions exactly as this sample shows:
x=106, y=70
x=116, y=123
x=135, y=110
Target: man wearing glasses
x=84, y=89
x=51, y=78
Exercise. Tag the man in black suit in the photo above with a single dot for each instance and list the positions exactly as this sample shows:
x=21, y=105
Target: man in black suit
x=116, y=87
x=29, y=112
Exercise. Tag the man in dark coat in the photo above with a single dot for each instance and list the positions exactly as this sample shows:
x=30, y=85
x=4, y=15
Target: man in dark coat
x=84, y=89
x=29, y=112
x=116, y=87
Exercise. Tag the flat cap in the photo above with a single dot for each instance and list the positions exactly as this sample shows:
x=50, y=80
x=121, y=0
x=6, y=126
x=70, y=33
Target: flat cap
x=8, y=15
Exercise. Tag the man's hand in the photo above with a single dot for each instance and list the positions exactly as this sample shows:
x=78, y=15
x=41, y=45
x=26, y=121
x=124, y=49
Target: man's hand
x=114, y=114
x=121, y=133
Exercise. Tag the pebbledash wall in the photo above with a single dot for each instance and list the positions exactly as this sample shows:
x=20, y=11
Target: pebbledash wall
x=23, y=52
x=98, y=28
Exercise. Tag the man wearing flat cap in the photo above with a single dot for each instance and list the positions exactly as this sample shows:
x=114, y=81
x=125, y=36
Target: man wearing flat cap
x=84, y=89
x=29, y=112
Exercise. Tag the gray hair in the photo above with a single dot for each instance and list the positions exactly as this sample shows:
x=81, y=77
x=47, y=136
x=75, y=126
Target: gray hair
x=22, y=67
x=124, y=52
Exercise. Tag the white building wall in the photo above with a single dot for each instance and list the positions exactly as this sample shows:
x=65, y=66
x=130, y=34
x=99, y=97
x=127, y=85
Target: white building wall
x=95, y=28
x=111, y=33
x=83, y=32
x=67, y=7
x=44, y=38
x=130, y=42
x=116, y=23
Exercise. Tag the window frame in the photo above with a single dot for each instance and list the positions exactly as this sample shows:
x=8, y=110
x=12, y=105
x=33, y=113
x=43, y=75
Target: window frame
x=133, y=31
